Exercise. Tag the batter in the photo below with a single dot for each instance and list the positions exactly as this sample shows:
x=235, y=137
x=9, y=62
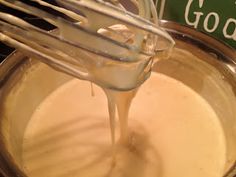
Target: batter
x=173, y=132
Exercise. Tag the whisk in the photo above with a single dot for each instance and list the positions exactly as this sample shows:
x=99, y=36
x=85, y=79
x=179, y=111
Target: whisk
x=91, y=35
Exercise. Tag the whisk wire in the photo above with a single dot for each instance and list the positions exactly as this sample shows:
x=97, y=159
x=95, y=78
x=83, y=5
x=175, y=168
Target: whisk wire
x=82, y=39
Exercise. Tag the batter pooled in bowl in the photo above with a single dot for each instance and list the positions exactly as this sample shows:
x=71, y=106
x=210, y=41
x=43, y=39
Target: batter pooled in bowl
x=172, y=132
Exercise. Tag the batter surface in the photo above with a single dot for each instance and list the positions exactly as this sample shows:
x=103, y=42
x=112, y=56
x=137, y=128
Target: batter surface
x=173, y=132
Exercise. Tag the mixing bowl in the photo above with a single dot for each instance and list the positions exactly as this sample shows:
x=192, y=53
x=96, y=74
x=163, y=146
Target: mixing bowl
x=209, y=68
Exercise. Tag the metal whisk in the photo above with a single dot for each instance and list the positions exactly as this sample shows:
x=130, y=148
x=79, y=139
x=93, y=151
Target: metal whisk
x=90, y=34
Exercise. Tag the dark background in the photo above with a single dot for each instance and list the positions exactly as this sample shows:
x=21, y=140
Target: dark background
x=4, y=51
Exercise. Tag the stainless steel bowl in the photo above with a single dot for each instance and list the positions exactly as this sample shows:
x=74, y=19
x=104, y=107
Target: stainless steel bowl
x=209, y=68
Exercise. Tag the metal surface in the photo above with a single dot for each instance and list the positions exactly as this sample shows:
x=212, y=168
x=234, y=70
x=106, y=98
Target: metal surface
x=224, y=60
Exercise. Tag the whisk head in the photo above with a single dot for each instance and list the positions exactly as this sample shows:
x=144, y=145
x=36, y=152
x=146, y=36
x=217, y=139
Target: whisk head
x=90, y=34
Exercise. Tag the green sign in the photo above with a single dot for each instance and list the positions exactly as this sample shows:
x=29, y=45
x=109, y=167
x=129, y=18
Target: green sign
x=214, y=17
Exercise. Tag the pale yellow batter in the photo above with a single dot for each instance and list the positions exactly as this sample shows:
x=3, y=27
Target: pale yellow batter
x=173, y=132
